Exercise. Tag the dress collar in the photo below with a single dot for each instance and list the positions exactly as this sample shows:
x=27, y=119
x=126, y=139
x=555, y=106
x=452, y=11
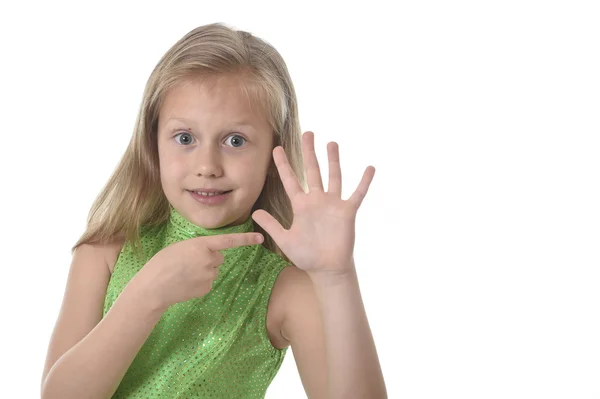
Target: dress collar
x=184, y=226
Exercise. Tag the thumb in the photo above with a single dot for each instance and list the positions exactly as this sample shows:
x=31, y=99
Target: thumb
x=269, y=224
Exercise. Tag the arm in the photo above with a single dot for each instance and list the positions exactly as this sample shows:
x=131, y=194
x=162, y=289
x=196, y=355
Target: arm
x=95, y=366
x=93, y=356
x=328, y=330
x=320, y=242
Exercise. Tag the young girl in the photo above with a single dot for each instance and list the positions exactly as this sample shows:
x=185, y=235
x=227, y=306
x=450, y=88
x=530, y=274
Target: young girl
x=207, y=255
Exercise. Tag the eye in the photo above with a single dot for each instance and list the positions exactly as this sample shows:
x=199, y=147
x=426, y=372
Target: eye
x=186, y=134
x=237, y=139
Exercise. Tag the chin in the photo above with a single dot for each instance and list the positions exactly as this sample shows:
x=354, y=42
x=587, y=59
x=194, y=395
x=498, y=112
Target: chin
x=209, y=219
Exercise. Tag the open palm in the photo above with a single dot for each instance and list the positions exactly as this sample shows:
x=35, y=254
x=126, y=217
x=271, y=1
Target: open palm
x=321, y=237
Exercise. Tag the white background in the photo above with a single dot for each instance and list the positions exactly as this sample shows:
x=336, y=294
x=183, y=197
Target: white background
x=478, y=243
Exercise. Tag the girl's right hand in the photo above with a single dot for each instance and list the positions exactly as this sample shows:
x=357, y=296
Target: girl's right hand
x=187, y=269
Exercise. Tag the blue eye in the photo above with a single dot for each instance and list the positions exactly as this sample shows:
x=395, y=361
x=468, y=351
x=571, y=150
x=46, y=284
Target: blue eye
x=237, y=138
x=187, y=134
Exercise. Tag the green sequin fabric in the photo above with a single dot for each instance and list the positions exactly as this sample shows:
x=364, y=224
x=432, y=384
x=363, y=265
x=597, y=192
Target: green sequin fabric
x=215, y=346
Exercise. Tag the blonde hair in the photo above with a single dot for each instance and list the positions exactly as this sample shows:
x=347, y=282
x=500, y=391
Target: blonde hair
x=133, y=197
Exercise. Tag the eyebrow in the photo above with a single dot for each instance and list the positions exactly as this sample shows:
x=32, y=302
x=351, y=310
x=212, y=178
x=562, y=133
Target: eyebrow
x=174, y=118
x=185, y=120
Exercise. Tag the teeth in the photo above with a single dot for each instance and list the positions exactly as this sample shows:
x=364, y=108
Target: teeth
x=209, y=194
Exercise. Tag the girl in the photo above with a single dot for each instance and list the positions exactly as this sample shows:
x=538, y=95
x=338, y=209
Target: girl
x=207, y=254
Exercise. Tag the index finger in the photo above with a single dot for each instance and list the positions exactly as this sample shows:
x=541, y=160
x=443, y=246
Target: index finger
x=224, y=241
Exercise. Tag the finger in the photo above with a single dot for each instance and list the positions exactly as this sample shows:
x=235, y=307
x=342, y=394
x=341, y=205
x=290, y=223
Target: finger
x=270, y=225
x=313, y=172
x=288, y=178
x=224, y=241
x=361, y=191
x=335, y=172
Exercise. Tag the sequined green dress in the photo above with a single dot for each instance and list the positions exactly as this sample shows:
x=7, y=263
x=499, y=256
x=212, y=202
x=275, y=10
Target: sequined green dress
x=215, y=346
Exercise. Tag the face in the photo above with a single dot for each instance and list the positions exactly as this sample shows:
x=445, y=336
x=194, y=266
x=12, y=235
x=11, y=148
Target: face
x=210, y=137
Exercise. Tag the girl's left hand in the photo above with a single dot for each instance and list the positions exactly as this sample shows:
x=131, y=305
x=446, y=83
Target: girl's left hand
x=320, y=240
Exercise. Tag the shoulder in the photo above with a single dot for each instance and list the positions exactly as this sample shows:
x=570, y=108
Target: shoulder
x=291, y=279
x=294, y=295
x=287, y=278
x=112, y=250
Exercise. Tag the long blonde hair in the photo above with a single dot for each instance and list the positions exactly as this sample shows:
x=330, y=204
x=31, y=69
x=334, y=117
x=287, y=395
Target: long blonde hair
x=133, y=197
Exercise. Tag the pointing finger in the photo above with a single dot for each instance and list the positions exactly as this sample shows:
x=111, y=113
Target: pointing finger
x=225, y=241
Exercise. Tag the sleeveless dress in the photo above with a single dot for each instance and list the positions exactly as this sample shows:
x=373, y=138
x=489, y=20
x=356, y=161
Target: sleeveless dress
x=215, y=346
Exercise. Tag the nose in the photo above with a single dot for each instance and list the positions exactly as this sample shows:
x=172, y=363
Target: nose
x=208, y=160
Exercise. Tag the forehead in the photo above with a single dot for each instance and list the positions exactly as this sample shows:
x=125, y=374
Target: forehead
x=217, y=97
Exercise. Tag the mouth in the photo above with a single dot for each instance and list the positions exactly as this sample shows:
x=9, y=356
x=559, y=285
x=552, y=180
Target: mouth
x=210, y=193
x=213, y=198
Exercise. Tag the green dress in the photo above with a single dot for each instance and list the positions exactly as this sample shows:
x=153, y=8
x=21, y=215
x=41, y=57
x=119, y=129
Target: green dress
x=215, y=346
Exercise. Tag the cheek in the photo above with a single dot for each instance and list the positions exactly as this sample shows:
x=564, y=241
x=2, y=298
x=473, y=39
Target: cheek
x=254, y=175
x=244, y=172
x=171, y=168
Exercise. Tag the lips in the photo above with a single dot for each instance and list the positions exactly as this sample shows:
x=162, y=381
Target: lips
x=211, y=191
x=208, y=190
x=212, y=199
